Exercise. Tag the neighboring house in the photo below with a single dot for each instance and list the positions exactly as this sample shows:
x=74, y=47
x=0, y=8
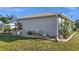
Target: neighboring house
x=1, y=24
x=47, y=23
x=12, y=25
x=9, y=28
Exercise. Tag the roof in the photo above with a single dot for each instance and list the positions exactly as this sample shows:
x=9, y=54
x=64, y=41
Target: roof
x=44, y=15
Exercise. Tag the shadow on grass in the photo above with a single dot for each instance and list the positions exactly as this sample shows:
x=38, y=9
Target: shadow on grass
x=7, y=37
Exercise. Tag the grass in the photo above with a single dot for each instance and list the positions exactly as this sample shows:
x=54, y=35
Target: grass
x=8, y=42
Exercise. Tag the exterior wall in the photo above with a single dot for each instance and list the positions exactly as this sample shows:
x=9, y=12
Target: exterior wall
x=61, y=20
x=47, y=25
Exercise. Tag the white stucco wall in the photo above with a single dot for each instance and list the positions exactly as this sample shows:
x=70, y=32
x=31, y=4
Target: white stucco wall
x=46, y=24
x=60, y=20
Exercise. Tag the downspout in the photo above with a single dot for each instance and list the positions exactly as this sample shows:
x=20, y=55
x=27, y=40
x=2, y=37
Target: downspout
x=57, y=31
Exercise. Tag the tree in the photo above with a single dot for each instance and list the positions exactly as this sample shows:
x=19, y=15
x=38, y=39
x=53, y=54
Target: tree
x=4, y=19
x=19, y=26
x=77, y=24
x=11, y=18
x=7, y=19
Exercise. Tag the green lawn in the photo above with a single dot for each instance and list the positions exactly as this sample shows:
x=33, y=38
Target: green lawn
x=9, y=42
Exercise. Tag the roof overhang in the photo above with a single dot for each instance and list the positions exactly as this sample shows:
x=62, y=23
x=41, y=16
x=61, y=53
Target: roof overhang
x=45, y=15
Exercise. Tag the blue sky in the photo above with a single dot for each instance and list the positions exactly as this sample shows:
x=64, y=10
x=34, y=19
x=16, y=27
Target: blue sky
x=71, y=12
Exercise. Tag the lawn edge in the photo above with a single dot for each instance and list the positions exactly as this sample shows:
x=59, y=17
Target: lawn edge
x=65, y=40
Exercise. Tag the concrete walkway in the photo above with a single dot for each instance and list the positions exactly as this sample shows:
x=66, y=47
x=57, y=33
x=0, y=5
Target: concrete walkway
x=40, y=37
x=65, y=40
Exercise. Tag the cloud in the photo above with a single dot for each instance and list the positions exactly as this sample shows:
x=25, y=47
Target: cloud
x=73, y=11
x=14, y=9
x=72, y=8
x=11, y=9
x=1, y=8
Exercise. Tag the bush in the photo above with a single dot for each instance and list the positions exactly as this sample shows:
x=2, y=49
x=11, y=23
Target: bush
x=64, y=29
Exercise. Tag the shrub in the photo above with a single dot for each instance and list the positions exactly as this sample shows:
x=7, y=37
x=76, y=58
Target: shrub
x=64, y=29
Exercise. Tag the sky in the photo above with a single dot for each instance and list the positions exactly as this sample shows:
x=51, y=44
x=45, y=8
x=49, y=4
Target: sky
x=71, y=12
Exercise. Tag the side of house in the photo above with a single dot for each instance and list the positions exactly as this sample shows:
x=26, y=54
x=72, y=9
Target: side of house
x=48, y=24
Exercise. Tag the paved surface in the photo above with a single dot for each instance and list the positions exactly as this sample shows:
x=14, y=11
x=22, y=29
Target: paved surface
x=47, y=38
x=65, y=40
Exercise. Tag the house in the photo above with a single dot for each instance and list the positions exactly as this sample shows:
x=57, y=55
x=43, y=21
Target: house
x=8, y=28
x=12, y=25
x=48, y=23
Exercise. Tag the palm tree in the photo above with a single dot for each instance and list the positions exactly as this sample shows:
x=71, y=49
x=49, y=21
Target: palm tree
x=11, y=18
